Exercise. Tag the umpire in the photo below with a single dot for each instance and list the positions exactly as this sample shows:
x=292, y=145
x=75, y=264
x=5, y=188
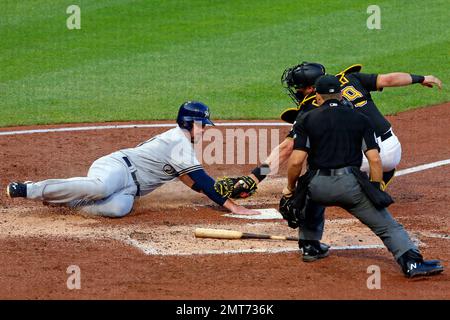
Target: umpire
x=332, y=137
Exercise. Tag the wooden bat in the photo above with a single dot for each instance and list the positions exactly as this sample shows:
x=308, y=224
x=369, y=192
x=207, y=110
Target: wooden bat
x=232, y=234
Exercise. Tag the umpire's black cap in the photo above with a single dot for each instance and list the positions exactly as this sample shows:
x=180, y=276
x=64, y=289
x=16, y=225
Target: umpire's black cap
x=328, y=84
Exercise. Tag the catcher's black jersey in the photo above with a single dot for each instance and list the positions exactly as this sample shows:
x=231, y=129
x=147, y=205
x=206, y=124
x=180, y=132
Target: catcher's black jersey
x=309, y=103
x=356, y=88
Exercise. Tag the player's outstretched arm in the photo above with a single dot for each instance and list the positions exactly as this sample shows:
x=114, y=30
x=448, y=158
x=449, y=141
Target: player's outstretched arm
x=200, y=181
x=279, y=155
x=400, y=79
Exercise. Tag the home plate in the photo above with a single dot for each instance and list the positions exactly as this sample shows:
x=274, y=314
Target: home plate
x=269, y=213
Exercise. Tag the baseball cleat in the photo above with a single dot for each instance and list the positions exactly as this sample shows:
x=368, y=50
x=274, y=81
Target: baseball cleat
x=314, y=250
x=16, y=190
x=424, y=268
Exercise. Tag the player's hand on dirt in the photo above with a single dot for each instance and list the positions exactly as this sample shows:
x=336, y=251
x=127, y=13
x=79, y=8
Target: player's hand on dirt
x=430, y=81
x=244, y=211
x=237, y=209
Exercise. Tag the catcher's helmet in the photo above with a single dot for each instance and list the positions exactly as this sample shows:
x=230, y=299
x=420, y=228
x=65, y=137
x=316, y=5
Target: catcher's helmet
x=301, y=76
x=191, y=111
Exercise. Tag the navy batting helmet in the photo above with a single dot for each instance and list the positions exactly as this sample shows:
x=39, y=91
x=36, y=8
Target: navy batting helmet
x=301, y=76
x=191, y=111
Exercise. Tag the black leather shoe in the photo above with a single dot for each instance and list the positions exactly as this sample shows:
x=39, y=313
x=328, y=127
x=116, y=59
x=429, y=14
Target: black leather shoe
x=413, y=264
x=313, y=250
x=16, y=190
x=424, y=268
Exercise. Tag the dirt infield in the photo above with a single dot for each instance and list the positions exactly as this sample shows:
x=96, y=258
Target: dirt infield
x=152, y=253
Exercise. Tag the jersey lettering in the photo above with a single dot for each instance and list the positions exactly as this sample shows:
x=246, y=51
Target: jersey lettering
x=351, y=94
x=342, y=79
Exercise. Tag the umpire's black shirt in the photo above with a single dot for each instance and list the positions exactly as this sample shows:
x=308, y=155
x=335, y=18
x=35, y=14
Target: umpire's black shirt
x=334, y=135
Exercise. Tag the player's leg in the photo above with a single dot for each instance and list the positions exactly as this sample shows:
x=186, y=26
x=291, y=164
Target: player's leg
x=314, y=221
x=346, y=192
x=394, y=237
x=115, y=206
x=106, y=176
x=390, y=154
x=311, y=231
x=321, y=192
x=390, y=158
x=381, y=222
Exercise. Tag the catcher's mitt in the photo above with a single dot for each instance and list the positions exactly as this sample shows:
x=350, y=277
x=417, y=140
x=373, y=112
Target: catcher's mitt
x=236, y=188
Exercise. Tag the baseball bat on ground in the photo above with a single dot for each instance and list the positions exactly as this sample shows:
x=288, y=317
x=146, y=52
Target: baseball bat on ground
x=232, y=234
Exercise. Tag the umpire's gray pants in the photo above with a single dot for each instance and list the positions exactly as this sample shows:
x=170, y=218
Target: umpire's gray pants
x=344, y=191
x=108, y=190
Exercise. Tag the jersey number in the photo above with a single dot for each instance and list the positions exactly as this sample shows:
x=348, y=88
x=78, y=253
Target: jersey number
x=351, y=94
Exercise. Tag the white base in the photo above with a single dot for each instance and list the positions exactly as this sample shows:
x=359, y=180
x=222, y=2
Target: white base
x=269, y=213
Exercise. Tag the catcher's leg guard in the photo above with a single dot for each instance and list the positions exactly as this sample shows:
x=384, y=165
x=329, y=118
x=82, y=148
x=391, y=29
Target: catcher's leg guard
x=388, y=177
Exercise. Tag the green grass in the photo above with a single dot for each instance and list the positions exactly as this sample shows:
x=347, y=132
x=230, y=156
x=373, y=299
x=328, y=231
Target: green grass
x=139, y=60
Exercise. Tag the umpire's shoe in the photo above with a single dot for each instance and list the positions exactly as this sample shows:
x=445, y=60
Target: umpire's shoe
x=413, y=265
x=313, y=250
x=16, y=190
x=424, y=268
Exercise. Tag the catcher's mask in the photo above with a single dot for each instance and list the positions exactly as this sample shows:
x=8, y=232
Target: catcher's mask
x=193, y=111
x=301, y=76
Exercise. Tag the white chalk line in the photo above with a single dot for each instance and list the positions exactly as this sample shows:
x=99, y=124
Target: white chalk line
x=151, y=251
x=422, y=167
x=146, y=250
x=433, y=235
x=131, y=126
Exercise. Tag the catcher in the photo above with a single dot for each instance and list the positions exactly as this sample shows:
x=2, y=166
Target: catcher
x=356, y=87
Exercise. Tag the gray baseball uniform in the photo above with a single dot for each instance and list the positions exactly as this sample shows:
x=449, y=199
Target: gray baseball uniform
x=113, y=181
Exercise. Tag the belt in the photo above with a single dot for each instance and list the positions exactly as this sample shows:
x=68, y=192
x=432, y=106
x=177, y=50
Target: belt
x=386, y=135
x=133, y=174
x=334, y=172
